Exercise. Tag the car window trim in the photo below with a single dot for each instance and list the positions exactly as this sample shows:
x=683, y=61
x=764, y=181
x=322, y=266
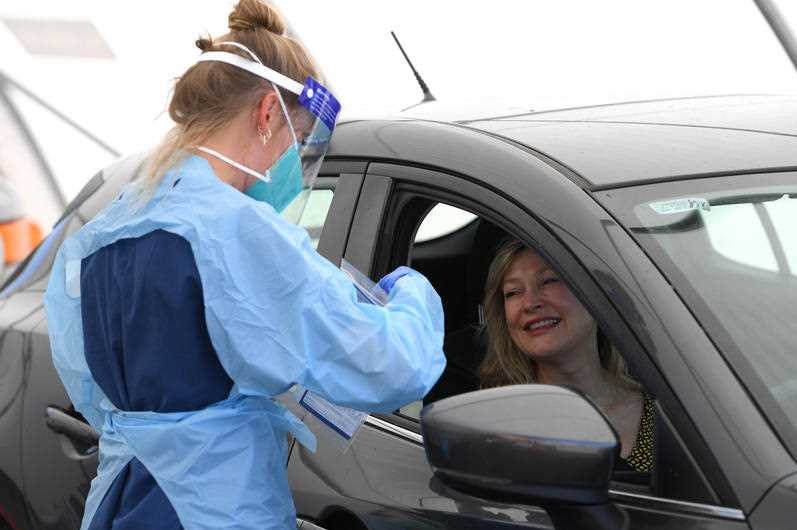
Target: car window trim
x=647, y=501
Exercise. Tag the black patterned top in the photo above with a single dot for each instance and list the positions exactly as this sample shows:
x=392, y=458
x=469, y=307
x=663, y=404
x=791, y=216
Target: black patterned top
x=641, y=457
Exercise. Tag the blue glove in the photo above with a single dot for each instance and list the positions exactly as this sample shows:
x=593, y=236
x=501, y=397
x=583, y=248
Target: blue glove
x=387, y=282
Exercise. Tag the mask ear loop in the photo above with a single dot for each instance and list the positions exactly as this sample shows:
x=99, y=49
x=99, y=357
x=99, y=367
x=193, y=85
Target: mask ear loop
x=285, y=112
x=287, y=120
x=233, y=163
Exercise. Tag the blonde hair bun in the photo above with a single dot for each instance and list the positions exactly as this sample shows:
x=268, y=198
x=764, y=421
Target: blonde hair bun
x=209, y=95
x=248, y=15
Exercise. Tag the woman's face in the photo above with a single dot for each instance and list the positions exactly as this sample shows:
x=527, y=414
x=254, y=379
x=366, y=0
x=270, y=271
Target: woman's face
x=545, y=320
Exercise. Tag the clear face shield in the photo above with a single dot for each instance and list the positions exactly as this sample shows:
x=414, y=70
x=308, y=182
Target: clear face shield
x=287, y=184
x=312, y=124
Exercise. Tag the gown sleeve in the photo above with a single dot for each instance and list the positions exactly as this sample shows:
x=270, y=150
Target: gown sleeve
x=280, y=314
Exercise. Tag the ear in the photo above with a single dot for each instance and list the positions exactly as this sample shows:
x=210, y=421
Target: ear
x=267, y=111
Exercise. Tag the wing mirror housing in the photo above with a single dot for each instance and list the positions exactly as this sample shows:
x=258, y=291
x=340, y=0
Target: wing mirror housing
x=534, y=444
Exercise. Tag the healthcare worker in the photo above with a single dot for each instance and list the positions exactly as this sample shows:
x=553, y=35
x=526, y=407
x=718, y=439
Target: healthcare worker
x=184, y=307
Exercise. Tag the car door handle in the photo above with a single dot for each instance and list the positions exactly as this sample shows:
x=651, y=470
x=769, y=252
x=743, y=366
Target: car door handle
x=301, y=524
x=76, y=430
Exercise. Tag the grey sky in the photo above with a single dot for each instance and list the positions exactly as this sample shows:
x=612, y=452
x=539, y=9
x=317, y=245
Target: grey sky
x=475, y=56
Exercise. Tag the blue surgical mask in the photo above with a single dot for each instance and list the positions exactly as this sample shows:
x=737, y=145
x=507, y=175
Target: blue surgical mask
x=285, y=183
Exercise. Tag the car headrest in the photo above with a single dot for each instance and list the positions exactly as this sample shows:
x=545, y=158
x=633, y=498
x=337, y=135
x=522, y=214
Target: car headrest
x=485, y=242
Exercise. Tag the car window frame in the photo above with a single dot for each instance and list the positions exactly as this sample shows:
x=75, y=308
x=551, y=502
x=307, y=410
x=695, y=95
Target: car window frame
x=345, y=179
x=385, y=181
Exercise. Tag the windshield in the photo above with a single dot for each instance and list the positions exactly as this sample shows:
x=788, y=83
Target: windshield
x=729, y=247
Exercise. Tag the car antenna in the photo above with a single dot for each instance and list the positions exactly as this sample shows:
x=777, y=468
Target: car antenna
x=779, y=26
x=427, y=94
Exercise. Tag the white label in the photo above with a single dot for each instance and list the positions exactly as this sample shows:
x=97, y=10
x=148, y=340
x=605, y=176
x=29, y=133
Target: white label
x=680, y=205
x=342, y=420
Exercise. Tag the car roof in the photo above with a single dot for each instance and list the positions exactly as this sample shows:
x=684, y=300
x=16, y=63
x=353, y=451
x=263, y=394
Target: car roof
x=639, y=142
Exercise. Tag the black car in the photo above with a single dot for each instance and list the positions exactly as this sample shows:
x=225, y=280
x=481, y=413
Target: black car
x=674, y=222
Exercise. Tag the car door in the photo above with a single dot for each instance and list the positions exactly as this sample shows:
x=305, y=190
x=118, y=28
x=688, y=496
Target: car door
x=55, y=471
x=58, y=450
x=383, y=481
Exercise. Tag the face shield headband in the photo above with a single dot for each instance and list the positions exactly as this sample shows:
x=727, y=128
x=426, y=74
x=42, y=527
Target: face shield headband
x=290, y=179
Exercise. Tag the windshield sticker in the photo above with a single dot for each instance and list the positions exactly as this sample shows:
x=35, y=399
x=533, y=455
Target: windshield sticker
x=680, y=206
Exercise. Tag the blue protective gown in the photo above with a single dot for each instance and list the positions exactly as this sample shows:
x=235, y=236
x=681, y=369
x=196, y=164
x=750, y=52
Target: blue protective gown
x=174, y=322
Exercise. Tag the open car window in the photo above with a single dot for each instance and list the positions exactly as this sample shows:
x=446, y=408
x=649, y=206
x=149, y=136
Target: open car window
x=457, y=262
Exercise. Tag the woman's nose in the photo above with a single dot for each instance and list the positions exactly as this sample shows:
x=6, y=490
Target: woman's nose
x=531, y=300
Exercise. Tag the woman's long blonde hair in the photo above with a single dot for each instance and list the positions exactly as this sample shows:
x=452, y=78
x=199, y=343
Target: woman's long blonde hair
x=210, y=94
x=505, y=363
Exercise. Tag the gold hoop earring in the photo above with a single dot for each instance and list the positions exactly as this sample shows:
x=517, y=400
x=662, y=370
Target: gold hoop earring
x=264, y=136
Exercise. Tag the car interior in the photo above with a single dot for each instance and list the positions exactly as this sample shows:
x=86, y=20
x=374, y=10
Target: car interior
x=456, y=263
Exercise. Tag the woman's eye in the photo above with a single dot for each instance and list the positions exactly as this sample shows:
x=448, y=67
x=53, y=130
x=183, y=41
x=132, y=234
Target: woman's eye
x=552, y=279
x=509, y=294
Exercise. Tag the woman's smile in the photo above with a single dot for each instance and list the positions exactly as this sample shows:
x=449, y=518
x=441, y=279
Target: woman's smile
x=540, y=326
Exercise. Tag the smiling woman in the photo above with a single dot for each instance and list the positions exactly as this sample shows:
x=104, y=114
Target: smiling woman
x=538, y=332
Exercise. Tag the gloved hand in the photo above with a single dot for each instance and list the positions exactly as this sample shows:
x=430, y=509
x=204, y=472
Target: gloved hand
x=388, y=281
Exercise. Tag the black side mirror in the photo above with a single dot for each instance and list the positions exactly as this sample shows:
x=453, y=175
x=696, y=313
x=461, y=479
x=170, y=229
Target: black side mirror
x=533, y=444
